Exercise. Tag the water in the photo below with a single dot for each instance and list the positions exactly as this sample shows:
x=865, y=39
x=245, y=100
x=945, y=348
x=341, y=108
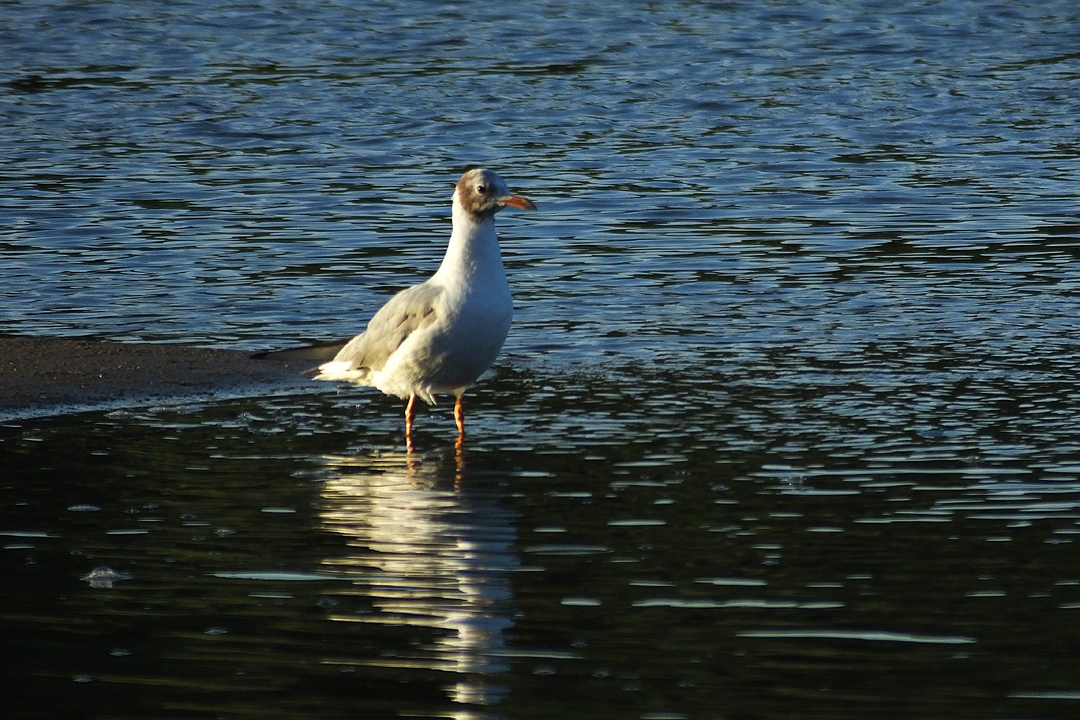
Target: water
x=786, y=425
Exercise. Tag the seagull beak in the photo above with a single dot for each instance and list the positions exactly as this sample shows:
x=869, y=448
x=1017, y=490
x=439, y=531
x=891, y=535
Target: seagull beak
x=516, y=201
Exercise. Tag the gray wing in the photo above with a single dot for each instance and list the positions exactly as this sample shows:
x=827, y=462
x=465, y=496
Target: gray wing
x=405, y=313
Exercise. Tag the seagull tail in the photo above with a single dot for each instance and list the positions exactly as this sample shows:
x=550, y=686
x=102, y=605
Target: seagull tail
x=320, y=353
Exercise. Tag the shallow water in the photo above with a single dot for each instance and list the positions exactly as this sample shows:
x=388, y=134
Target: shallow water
x=786, y=425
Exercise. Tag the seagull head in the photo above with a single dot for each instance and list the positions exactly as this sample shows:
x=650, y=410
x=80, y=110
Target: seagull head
x=482, y=193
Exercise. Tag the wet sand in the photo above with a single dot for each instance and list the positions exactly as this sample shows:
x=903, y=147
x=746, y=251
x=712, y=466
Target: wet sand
x=53, y=376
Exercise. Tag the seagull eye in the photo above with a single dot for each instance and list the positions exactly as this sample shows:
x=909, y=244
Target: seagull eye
x=481, y=189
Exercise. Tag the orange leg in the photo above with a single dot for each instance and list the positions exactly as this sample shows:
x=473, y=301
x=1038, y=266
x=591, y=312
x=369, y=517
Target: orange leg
x=459, y=446
x=459, y=417
x=410, y=415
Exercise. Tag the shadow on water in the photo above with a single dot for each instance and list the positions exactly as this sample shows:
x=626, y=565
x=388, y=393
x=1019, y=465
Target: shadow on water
x=140, y=580
x=610, y=541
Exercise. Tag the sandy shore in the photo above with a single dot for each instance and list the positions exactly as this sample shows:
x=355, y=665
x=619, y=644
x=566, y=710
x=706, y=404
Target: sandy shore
x=51, y=376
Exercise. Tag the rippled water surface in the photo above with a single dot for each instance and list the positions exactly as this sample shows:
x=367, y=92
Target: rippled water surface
x=787, y=425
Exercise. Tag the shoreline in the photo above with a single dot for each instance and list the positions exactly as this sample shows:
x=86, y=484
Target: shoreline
x=49, y=376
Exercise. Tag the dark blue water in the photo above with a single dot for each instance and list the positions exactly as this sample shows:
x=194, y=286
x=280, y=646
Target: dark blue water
x=786, y=426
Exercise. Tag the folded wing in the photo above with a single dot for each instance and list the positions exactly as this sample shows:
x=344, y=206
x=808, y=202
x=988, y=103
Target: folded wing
x=407, y=312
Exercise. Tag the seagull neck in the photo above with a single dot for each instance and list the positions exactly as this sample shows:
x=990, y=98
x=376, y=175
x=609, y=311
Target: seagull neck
x=473, y=250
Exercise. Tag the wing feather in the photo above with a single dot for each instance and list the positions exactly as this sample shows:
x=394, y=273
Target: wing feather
x=405, y=313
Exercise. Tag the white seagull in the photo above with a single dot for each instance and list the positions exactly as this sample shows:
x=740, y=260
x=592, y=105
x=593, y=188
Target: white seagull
x=440, y=336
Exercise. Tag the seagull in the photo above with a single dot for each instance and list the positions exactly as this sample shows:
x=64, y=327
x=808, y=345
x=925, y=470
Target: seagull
x=440, y=336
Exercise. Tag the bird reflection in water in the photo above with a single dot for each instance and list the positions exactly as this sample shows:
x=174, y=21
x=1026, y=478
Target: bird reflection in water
x=432, y=556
